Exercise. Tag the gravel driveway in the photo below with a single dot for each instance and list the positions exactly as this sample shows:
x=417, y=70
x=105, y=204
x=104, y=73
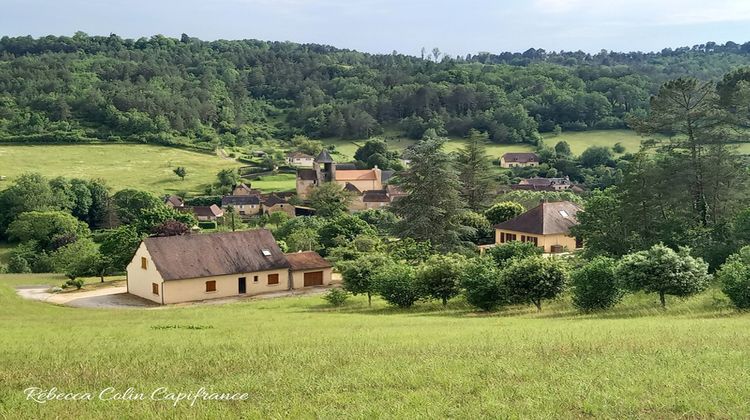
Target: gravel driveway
x=109, y=297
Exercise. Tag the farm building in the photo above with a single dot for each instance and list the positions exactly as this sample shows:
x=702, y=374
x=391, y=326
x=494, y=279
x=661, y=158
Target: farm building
x=188, y=268
x=513, y=160
x=546, y=225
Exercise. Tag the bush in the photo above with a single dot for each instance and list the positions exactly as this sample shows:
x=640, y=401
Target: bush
x=77, y=283
x=503, y=253
x=396, y=283
x=207, y=225
x=18, y=264
x=482, y=284
x=734, y=276
x=664, y=271
x=336, y=297
x=533, y=279
x=3, y=268
x=595, y=285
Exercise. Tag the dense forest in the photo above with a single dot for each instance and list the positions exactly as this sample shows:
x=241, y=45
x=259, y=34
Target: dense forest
x=202, y=94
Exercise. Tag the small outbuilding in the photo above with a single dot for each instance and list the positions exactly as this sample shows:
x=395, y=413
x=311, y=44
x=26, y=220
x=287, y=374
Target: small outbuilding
x=197, y=267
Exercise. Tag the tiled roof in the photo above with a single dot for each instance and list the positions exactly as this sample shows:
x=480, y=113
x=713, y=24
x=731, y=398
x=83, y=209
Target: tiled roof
x=357, y=175
x=521, y=157
x=544, y=219
x=237, y=200
x=306, y=261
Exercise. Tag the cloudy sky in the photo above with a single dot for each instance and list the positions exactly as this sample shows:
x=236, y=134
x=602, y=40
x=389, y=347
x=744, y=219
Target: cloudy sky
x=456, y=27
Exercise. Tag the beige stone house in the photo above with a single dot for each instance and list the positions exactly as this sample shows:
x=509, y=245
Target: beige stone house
x=512, y=160
x=203, y=213
x=299, y=159
x=546, y=225
x=188, y=268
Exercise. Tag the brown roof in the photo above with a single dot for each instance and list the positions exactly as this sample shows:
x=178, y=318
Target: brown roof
x=174, y=200
x=544, y=219
x=307, y=174
x=324, y=157
x=544, y=182
x=216, y=254
x=306, y=261
x=376, y=196
x=204, y=211
x=521, y=157
x=273, y=200
x=359, y=174
x=352, y=188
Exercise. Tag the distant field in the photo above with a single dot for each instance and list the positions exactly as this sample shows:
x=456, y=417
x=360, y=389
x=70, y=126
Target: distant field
x=121, y=165
x=278, y=182
x=581, y=140
x=298, y=358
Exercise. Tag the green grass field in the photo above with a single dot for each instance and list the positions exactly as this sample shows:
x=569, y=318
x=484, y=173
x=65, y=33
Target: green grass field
x=298, y=358
x=581, y=140
x=121, y=165
x=278, y=182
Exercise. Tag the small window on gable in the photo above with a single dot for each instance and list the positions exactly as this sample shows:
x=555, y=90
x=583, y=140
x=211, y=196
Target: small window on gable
x=154, y=288
x=211, y=286
x=266, y=252
x=564, y=214
x=144, y=263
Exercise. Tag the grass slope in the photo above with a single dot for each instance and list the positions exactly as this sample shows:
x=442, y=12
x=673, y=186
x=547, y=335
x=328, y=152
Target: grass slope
x=121, y=165
x=299, y=359
x=581, y=140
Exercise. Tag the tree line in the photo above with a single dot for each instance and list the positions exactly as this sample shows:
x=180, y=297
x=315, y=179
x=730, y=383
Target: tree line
x=203, y=94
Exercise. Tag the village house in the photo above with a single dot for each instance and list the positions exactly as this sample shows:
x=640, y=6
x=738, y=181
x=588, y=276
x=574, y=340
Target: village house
x=173, y=201
x=299, y=159
x=273, y=203
x=203, y=213
x=244, y=190
x=246, y=205
x=546, y=226
x=516, y=160
x=546, y=184
x=197, y=267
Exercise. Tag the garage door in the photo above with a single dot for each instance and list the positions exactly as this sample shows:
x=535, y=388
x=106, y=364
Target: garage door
x=314, y=279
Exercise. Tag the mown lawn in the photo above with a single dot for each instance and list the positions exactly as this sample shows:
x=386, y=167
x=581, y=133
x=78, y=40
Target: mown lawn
x=144, y=167
x=277, y=182
x=581, y=140
x=297, y=358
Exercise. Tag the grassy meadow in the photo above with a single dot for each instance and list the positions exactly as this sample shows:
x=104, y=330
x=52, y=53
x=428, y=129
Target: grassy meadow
x=139, y=166
x=298, y=358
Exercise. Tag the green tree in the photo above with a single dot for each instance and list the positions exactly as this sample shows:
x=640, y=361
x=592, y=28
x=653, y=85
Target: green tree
x=482, y=284
x=430, y=211
x=180, y=171
x=130, y=204
x=562, y=148
x=304, y=239
x=79, y=259
x=396, y=283
x=439, y=277
x=342, y=230
x=504, y=211
x=533, y=279
x=330, y=200
x=664, y=271
x=734, y=276
x=45, y=227
x=595, y=285
x=30, y=192
x=228, y=177
x=595, y=156
x=359, y=275
x=119, y=245
x=475, y=172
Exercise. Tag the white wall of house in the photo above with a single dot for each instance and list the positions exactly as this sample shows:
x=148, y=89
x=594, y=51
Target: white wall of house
x=140, y=280
x=187, y=290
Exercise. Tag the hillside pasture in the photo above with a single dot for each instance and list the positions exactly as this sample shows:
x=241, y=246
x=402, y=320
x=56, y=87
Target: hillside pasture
x=122, y=166
x=581, y=140
x=299, y=358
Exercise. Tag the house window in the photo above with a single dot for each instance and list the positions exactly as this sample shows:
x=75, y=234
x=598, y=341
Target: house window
x=502, y=237
x=579, y=243
x=144, y=263
x=211, y=286
x=154, y=288
x=255, y=279
x=510, y=237
x=523, y=238
x=273, y=279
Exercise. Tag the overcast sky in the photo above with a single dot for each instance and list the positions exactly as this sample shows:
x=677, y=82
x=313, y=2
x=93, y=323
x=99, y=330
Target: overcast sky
x=456, y=27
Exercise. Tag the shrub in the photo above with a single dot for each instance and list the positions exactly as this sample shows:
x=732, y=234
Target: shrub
x=595, y=285
x=503, y=253
x=207, y=225
x=3, y=268
x=533, y=279
x=482, y=285
x=358, y=275
x=734, y=275
x=336, y=297
x=664, y=271
x=18, y=264
x=77, y=283
x=440, y=275
x=396, y=283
